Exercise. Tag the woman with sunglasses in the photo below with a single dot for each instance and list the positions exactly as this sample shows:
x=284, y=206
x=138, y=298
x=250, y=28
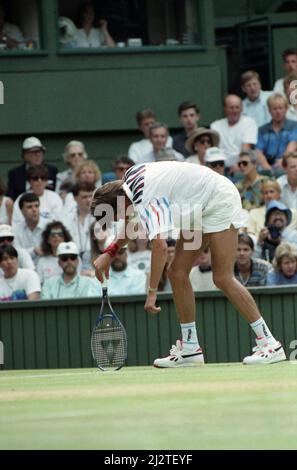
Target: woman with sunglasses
x=74, y=154
x=198, y=143
x=250, y=186
x=54, y=234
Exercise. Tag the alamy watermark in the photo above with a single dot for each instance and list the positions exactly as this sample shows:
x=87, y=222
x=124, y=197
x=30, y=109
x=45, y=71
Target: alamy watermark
x=1, y=93
x=1, y=353
x=293, y=94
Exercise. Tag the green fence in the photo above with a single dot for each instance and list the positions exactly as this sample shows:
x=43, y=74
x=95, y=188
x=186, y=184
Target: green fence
x=56, y=334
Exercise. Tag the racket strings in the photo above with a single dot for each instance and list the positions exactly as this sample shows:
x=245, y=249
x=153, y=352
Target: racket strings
x=109, y=344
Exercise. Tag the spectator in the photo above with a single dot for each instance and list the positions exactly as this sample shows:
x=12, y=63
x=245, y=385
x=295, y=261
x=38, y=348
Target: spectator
x=255, y=103
x=32, y=154
x=17, y=283
x=69, y=284
x=98, y=239
x=79, y=220
x=285, y=266
x=164, y=284
x=290, y=92
x=123, y=279
x=145, y=119
x=249, y=271
x=50, y=203
x=7, y=237
x=158, y=133
x=54, y=234
x=10, y=34
x=277, y=137
x=121, y=165
x=189, y=116
x=29, y=231
x=250, y=187
x=74, y=154
x=290, y=66
x=215, y=159
x=198, y=143
x=139, y=254
x=201, y=274
x=6, y=205
x=288, y=182
x=277, y=219
x=88, y=35
x=237, y=132
x=271, y=190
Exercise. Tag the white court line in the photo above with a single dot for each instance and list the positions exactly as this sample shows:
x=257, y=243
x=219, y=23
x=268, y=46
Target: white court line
x=38, y=376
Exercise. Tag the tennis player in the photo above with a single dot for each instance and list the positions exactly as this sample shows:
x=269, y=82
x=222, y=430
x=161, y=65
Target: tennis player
x=206, y=209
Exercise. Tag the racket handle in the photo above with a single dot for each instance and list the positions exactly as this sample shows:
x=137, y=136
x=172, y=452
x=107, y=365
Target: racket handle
x=104, y=283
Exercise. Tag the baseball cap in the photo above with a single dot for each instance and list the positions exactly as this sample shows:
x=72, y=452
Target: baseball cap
x=214, y=154
x=67, y=248
x=277, y=205
x=32, y=142
x=6, y=231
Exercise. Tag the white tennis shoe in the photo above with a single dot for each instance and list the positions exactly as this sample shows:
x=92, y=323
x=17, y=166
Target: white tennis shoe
x=181, y=357
x=268, y=353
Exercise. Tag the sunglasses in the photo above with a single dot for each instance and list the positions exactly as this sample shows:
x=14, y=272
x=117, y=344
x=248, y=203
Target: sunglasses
x=243, y=163
x=67, y=257
x=204, y=141
x=37, y=178
x=218, y=163
x=79, y=154
x=6, y=239
x=56, y=234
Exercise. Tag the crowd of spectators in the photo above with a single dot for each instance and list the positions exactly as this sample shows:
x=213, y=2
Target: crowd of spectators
x=49, y=239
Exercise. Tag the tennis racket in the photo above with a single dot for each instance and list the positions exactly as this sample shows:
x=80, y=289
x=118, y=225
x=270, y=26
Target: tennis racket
x=109, y=339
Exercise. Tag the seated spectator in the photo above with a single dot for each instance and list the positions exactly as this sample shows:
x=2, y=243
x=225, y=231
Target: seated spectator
x=50, y=203
x=88, y=35
x=164, y=283
x=123, y=279
x=198, y=143
x=271, y=190
x=290, y=66
x=288, y=182
x=201, y=274
x=98, y=240
x=74, y=154
x=158, y=134
x=237, y=132
x=145, y=119
x=290, y=92
x=249, y=271
x=277, y=137
x=32, y=154
x=29, y=231
x=139, y=254
x=17, y=283
x=285, y=266
x=6, y=205
x=121, y=164
x=69, y=284
x=189, y=116
x=7, y=237
x=10, y=34
x=67, y=33
x=250, y=186
x=255, y=103
x=215, y=159
x=54, y=234
x=87, y=172
x=277, y=219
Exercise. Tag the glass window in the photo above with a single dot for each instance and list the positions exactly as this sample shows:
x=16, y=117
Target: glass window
x=19, y=25
x=106, y=24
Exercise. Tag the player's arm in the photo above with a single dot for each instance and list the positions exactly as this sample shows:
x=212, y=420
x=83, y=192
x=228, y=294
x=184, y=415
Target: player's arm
x=159, y=256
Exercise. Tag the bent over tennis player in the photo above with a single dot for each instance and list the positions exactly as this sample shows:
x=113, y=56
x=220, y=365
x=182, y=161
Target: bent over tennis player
x=196, y=200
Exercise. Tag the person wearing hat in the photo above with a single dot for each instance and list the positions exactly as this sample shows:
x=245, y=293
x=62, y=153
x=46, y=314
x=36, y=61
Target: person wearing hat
x=277, y=219
x=250, y=186
x=7, y=237
x=69, y=284
x=215, y=159
x=198, y=142
x=32, y=154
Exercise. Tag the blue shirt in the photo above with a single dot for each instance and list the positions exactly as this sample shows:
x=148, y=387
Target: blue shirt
x=273, y=144
x=276, y=278
x=128, y=282
x=80, y=286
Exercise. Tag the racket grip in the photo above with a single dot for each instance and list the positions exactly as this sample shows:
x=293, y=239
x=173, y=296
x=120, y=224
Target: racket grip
x=104, y=283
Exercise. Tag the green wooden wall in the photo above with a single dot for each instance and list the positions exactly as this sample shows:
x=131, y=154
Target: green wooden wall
x=56, y=334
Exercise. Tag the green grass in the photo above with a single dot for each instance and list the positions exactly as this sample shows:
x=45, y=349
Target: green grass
x=219, y=406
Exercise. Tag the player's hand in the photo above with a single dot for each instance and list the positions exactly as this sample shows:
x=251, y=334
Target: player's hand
x=102, y=264
x=150, y=303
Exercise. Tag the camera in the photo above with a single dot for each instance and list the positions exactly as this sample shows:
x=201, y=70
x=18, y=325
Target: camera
x=274, y=232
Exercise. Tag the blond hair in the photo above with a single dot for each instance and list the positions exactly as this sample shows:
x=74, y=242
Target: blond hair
x=271, y=184
x=283, y=250
x=249, y=75
x=277, y=97
x=88, y=164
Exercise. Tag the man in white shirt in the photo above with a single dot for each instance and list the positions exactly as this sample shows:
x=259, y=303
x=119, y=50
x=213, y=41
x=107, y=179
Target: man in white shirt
x=145, y=119
x=290, y=66
x=7, y=237
x=155, y=191
x=237, y=132
x=201, y=274
x=17, y=283
x=255, y=103
x=158, y=134
x=288, y=182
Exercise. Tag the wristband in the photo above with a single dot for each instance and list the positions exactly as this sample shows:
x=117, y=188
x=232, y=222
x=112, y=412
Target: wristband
x=112, y=249
x=152, y=289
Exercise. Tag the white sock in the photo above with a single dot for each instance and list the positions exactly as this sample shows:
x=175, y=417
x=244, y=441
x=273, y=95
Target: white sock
x=261, y=330
x=189, y=335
